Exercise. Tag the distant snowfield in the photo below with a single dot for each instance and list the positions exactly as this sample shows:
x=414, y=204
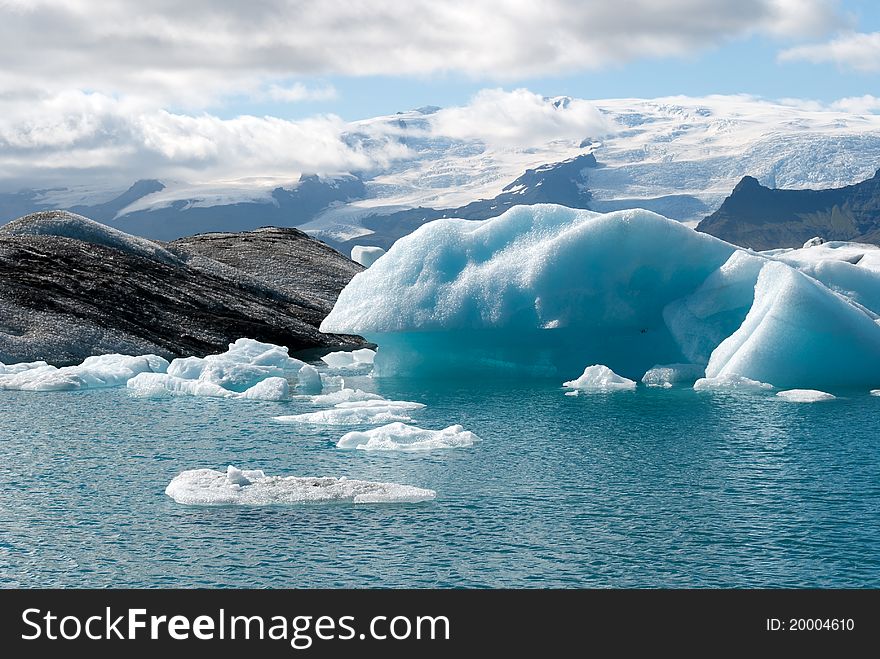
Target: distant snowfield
x=679, y=156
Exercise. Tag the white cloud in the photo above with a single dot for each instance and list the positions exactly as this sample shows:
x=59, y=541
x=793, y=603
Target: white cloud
x=74, y=136
x=856, y=50
x=520, y=119
x=190, y=53
x=299, y=92
x=866, y=104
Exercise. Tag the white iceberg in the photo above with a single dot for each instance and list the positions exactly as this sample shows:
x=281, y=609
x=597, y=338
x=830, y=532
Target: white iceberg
x=402, y=437
x=599, y=378
x=161, y=385
x=349, y=360
x=94, y=373
x=730, y=382
x=365, y=255
x=804, y=395
x=243, y=365
x=667, y=375
x=543, y=287
x=207, y=487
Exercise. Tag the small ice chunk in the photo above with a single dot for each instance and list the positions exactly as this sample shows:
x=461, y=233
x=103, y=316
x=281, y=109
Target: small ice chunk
x=600, y=378
x=730, y=382
x=365, y=255
x=401, y=437
x=268, y=389
x=309, y=380
x=344, y=396
x=670, y=374
x=814, y=242
x=235, y=476
x=207, y=487
x=349, y=360
x=804, y=395
x=875, y=392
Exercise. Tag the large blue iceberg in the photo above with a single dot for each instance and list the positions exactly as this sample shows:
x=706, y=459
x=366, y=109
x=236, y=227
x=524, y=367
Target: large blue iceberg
x=545, y=290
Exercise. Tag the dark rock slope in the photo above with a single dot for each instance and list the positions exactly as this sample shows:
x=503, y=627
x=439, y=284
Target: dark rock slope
x=763, y=218
x=70, y=287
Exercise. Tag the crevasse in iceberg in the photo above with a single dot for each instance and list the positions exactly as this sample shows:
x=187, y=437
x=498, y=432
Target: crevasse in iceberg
x=544, y=290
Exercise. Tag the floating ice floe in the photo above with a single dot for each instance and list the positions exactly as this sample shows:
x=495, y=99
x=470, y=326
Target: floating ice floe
x=543, y=287
x=207, y=487
x=344, y=396
x=599, y=378
x=365, y=255
x=671, y=374
x=730, y=383
x=355, y=359
x=804, y=395
x=350, y=416
x=401, y=437
x=95, y=372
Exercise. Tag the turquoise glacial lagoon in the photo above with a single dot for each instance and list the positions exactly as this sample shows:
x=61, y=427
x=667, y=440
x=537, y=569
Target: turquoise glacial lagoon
x=672, y=488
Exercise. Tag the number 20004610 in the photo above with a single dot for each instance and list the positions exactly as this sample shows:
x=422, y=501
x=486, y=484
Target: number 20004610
x=811, y=624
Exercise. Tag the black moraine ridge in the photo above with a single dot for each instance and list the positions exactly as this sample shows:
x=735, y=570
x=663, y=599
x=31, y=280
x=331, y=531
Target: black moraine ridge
x=70, y=288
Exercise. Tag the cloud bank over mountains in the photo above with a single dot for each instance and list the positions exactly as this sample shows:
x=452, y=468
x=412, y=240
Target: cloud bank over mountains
x=125, y=90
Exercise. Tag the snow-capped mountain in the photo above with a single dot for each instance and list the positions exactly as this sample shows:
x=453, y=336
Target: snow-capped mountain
x=678, y=156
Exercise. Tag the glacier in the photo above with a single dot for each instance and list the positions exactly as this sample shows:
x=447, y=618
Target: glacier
x=208, y=487
x=542, y=290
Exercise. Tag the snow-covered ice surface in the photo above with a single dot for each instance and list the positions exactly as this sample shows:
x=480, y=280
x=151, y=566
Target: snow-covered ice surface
x=600, y=378
x=365, y=255
x=402, y=437
x=805, y=395
x=207, y=487
x=679, y=155
x=542, y=290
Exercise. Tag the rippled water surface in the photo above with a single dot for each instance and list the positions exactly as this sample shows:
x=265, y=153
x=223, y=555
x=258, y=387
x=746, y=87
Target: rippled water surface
x=651, y=488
